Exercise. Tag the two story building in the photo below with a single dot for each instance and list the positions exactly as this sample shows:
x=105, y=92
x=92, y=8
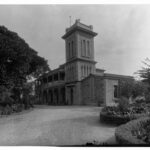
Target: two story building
x=78, y=81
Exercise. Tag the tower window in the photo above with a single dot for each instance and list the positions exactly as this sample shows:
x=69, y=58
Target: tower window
x=81, y=71
x=69, y=50
x=72, y=49
x=84, y=48
x=81, y=49
x=87, y=71
x=90, y=70
x=88, y=47
x=84, y=71
x=72, y=72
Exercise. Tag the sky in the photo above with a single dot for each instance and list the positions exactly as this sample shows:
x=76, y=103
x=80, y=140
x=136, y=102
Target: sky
x=122, y=43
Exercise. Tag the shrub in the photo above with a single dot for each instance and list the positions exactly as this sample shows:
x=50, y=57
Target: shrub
x=147, y=97
x=125, y=133
x=117, y=116
x=123, y=104
x=114, y=119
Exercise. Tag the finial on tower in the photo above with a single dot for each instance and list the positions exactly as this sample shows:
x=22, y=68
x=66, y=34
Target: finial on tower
x=70, y=20
x=77, y=20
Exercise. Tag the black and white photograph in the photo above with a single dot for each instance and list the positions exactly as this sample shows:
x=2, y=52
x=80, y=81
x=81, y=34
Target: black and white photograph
x=75, y=75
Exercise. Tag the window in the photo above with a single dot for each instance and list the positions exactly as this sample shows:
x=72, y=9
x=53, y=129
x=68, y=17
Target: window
x=115, y=91
x=81, y=49
x=45, y=80
x=84, y=48
x=90, y=70
x=84, y=71
x=88, y=48
x=81, y=71
x=50, y=79
x=71, y=73
x=69, y=51
x=72, y=49
x=56, y=77
x=62, y=75
x=87, y=71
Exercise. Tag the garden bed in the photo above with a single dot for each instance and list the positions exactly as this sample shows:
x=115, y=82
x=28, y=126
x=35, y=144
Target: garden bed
x=118, y=115
x=125, y=134
x=118, y=120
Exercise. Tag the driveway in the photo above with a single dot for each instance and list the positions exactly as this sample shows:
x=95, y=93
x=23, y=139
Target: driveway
x=55, y=125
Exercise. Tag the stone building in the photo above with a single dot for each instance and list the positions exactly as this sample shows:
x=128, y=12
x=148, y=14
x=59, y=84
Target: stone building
x=78, y=81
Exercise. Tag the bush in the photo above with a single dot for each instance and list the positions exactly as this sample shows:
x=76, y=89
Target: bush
x=147, y=97
x=124, y=133
x=123, y=104
x=118, y=116
x=114, y=120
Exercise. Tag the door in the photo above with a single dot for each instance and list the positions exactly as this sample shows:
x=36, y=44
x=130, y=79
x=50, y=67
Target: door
x=71, y=96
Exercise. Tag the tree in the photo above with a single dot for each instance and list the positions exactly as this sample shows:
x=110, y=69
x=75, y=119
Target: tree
x=139, y=89
x=18, y=61
x=126, y=88
x=145, y=72
x=132, y=88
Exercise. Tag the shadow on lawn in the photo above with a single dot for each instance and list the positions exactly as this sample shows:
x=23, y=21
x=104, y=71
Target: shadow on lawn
x=93, y=121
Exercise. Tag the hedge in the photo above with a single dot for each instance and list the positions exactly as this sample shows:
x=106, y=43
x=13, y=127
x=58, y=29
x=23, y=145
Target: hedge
x=124, y=135
x=118, y=120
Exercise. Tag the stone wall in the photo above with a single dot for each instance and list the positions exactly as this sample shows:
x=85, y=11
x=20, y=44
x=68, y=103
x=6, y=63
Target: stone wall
x=87, y=89
x=93, y=90
x=99, y=89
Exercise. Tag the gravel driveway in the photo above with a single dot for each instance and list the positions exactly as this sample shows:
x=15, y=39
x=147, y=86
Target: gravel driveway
x=55, y=125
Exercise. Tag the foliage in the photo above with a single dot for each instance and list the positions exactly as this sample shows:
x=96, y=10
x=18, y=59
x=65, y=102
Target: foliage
x=145, y=71
x=18, y=61
x=126, y=88
x=123, y=104
x=139, y=89
x=125, y=133
x=133, y=88
x=147, y=97
x=120, y=115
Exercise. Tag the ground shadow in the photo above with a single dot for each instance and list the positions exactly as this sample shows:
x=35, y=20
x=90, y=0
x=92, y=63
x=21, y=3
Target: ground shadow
x=93, y=121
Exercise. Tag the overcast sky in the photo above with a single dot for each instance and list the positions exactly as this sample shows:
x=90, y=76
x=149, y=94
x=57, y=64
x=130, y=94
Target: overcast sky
x=123, y=39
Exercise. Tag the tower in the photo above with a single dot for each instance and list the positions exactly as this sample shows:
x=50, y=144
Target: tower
x=79, y=41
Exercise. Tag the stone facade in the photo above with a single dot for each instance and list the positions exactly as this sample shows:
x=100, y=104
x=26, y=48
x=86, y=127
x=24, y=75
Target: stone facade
x=78, y=81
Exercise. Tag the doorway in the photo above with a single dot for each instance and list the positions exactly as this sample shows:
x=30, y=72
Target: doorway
x=71, y=96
